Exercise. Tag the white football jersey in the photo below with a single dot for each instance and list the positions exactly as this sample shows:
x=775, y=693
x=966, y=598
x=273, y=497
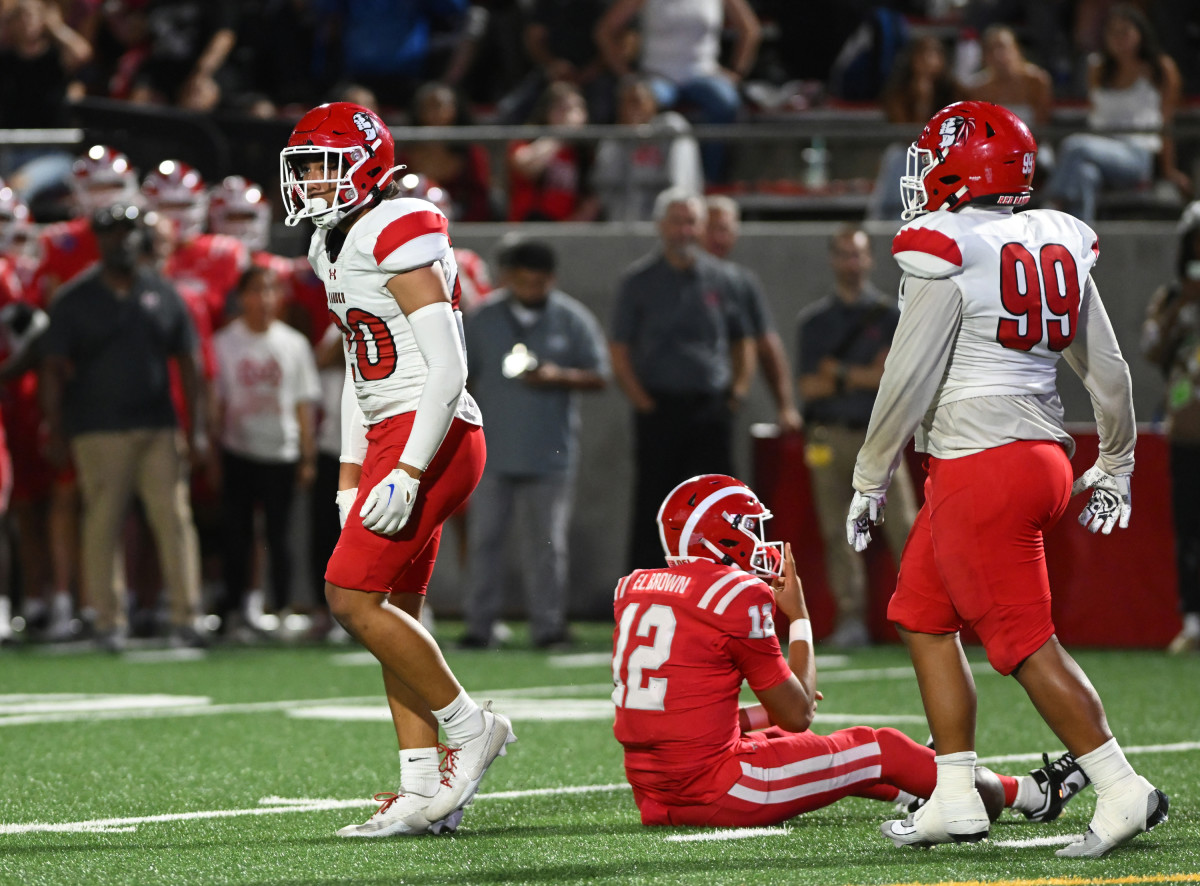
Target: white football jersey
x=393, y=237
x=1022, y=278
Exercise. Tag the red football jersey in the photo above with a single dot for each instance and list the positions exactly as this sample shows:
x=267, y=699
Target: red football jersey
x=212, y=263
x=686, y=637
x=67, y=249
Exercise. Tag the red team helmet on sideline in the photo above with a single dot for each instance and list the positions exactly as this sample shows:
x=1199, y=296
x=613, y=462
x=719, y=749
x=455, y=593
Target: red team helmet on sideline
x=176, y=191
x=718, y=517
x=103, y=176
x=239, y=208
x=969, y=152
x=358, y=155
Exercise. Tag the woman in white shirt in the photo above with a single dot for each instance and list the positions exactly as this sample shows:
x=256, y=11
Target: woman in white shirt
x=680, y=52
x=1134, y=90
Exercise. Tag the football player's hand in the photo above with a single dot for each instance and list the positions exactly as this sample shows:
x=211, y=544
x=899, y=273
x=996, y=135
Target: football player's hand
x=388, y=506
x=865, y=510
x=1111, y=502
x=789, y=593
x=345, y=501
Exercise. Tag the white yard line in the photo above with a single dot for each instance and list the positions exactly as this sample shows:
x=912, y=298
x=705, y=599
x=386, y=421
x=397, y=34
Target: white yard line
x=1176, y=747
x=1059, y=840
x=277, y=806
x=731, y=834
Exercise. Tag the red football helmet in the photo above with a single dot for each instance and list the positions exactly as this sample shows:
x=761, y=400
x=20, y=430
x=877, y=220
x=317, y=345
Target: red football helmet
x=176, y=191
x=357, y=157
x=717, y=517
x=237, y=207
x=969, y=152
x=101, y=177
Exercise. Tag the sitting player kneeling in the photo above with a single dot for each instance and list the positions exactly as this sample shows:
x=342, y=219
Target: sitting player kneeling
x=689, y=634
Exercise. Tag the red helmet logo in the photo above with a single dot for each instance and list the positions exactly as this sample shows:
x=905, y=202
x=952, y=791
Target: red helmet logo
x=969, y=152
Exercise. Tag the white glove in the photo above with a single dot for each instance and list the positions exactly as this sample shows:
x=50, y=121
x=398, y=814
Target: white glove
x=864, y=510
x=388, y=505
x=1111, y=502
x=345, y=498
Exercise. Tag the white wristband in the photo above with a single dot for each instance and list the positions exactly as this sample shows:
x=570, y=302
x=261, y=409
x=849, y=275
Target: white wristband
x=800, y=631
x=756, y=716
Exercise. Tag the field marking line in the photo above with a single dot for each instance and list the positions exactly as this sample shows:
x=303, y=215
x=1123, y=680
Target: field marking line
x=1174, y=747
x=1068, y=881
x=277, y=806
x=731, y=834
x=1033, y=842
x=189, y=710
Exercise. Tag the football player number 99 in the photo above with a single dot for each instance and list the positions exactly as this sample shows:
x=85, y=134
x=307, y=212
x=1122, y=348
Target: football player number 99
x=1033, y=289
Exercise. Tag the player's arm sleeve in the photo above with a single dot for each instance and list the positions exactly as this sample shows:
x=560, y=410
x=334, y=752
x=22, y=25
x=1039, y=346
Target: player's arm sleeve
x=354, y=423
x=435, y=331
x=414, y=240
x=1096, y=358
x=912, y=374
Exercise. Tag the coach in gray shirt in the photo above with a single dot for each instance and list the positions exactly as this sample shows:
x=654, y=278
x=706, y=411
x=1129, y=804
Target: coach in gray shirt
x=530, y=349
x=682, y=355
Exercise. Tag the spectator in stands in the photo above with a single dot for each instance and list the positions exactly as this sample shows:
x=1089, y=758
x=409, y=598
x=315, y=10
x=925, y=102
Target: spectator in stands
x=389, y=45
x=1010, y=80
x=680, y=51
x=460, y=170
x=1170, y=338
x=39, y=55
x=105, y=389
x=628, y=175
x=921, y=84
x=1134, y=90
x=548, y=176
x=721, y=233
x=530, y=348
x=121, y=44
x=189, y=43
x=263, y=417
x=557, y=38
x=681, y=354
x=842, y=341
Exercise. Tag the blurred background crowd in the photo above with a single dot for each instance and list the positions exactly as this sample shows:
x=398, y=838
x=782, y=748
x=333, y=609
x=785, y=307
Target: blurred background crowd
x=503, y=111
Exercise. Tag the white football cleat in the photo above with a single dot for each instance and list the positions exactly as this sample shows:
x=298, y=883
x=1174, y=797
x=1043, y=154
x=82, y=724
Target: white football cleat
x=463, y=768
x=964, y=820
x=1117, y=822
x=401, y=814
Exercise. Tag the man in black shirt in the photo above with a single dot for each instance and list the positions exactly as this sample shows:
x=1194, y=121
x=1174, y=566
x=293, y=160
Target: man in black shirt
x=842, y=342
x=107, y=394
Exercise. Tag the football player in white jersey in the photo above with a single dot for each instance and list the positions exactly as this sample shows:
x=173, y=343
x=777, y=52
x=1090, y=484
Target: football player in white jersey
x=990, y=300
x=391, y=285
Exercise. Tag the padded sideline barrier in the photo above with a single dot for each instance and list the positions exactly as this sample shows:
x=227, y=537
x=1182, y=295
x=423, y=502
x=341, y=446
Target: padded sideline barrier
x=1117, y=591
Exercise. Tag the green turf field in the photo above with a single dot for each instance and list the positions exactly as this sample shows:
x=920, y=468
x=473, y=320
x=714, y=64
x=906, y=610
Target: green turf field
x=238, y=766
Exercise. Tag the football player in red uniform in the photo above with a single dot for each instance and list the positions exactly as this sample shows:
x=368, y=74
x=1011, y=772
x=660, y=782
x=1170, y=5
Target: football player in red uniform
x=686, y=638
x=238, y=208
x=990, y=300
x=391, y=284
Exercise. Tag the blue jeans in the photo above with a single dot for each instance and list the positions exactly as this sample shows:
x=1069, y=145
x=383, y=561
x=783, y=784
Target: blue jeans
x=711, y=99
x=1087, y=162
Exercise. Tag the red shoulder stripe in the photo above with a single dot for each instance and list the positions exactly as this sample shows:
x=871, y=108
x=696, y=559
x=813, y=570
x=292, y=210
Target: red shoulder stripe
x=408, y=227
x=933, y=243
